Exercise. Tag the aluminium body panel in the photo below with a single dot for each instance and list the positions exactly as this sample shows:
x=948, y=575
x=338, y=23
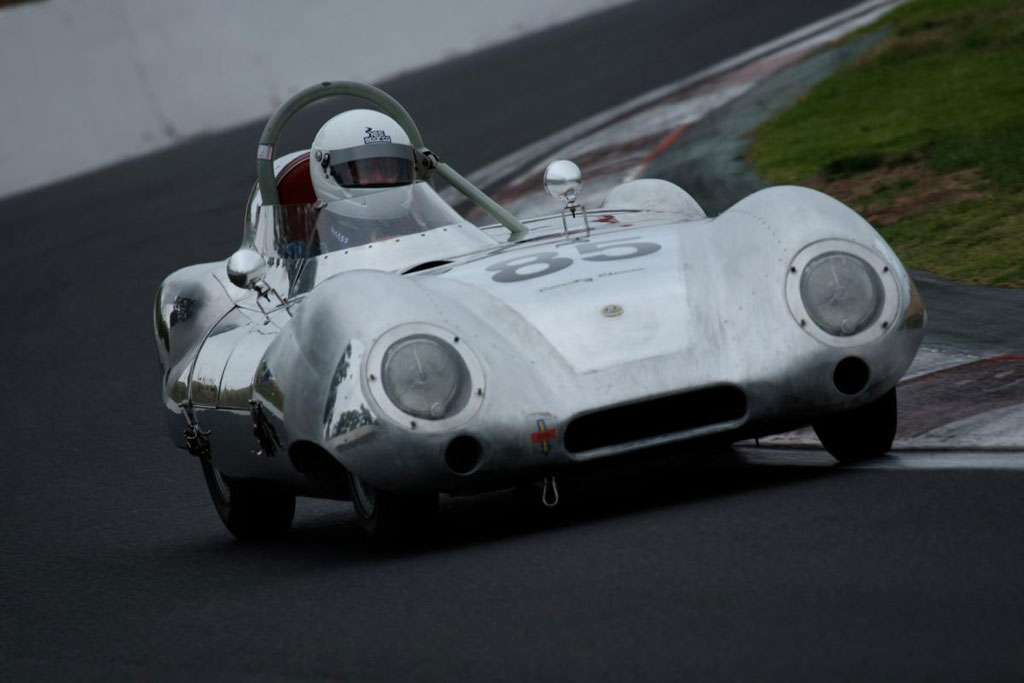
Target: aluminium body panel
x=645, y=305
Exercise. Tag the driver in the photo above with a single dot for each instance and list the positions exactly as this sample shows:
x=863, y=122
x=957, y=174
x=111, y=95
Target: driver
x=361, y=166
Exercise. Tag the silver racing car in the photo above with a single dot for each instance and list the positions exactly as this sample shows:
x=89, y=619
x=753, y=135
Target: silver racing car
x=371, y=345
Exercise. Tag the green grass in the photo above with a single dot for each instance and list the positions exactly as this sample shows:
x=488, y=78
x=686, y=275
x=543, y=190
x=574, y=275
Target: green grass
x=925, y=134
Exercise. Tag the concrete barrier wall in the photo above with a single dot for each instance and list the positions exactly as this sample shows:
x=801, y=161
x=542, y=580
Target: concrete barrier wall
x=89, y=82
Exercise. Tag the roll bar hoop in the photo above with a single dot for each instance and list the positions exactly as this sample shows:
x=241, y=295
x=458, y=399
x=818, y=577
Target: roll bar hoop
x=426, y=161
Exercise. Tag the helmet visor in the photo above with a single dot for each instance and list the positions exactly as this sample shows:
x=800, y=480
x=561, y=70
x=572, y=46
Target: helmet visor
x=375, y=165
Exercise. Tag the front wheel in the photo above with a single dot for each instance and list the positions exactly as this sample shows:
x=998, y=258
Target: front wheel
x=391, y=518
x=861, y=433
x=251, y=510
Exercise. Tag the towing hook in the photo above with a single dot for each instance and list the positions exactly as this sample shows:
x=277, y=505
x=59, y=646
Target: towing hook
x=549, y=492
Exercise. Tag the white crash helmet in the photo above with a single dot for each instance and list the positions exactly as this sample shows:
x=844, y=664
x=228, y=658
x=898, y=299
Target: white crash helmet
x=356, y=154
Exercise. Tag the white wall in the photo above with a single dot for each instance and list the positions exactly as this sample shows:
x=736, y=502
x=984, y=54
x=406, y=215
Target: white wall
x=84, y=83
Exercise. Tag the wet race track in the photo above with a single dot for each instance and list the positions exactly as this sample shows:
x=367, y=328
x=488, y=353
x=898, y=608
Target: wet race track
x=765, y=563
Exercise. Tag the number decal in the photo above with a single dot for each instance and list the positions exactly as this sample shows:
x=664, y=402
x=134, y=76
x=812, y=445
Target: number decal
x=548, y=262
x=525, y=267
x=637, y=249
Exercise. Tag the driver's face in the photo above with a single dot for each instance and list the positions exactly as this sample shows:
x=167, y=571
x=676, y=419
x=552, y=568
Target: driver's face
x=378, y=172
x=378, y=175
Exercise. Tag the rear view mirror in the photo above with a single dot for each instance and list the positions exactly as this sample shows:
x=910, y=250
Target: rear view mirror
x=562, y=180
x=246, y=267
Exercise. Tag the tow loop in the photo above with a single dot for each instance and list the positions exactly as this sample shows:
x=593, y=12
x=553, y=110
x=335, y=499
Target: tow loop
x=549, y=495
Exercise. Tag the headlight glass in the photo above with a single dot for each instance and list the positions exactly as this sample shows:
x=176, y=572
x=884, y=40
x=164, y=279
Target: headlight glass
x=425, y=377
x=843, y=295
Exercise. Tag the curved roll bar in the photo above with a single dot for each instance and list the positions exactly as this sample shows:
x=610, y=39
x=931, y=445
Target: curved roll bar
x=426, y=161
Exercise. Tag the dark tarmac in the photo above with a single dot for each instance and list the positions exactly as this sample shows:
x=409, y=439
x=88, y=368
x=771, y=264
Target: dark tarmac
x=115, y=565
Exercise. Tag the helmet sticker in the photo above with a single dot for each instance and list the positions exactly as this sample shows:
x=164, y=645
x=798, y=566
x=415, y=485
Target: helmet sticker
x=374, y=136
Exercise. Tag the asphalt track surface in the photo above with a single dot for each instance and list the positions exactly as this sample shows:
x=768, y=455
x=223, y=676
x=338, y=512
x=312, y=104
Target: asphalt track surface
x=115, y=566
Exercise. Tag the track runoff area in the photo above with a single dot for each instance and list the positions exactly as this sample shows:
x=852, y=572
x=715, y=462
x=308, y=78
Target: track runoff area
x=960, y=408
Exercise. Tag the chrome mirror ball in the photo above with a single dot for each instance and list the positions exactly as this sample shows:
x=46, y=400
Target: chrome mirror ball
x=246, y=267
x=562, y=180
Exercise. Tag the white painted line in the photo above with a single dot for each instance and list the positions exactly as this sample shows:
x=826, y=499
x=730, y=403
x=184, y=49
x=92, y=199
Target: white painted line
x=948, y=461
x=900, y=460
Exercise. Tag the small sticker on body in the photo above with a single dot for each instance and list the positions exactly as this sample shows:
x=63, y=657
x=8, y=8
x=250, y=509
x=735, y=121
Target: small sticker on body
x=544, y=436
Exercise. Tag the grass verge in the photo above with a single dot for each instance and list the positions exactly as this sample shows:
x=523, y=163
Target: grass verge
x=924, y=136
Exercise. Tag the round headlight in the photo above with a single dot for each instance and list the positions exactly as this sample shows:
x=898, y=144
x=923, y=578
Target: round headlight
x=843, y=295
x=425, y=377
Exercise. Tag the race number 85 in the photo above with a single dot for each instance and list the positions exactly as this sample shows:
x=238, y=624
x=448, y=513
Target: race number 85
x=544, y=263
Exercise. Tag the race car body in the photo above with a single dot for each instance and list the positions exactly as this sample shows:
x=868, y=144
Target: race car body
x=441, y=357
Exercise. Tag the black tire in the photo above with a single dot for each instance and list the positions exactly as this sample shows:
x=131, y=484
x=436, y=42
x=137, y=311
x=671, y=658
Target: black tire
x=391, y=518
x=251, y=510
x=862, y=433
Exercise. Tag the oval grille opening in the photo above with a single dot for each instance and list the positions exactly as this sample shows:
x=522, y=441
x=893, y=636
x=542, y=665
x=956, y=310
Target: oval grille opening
x=657, y=417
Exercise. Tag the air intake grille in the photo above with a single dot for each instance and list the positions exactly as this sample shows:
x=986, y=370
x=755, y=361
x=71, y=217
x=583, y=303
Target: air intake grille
x=658, y=417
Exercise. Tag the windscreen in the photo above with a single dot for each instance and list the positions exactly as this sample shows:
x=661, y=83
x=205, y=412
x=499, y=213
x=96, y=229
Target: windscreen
x=306, y=230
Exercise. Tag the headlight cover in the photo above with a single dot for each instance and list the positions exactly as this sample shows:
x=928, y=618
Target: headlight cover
x=842, y=294
x=425, y=377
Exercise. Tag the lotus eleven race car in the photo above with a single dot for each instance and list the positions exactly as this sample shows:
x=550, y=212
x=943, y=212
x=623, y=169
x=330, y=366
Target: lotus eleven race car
x=386, y=360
